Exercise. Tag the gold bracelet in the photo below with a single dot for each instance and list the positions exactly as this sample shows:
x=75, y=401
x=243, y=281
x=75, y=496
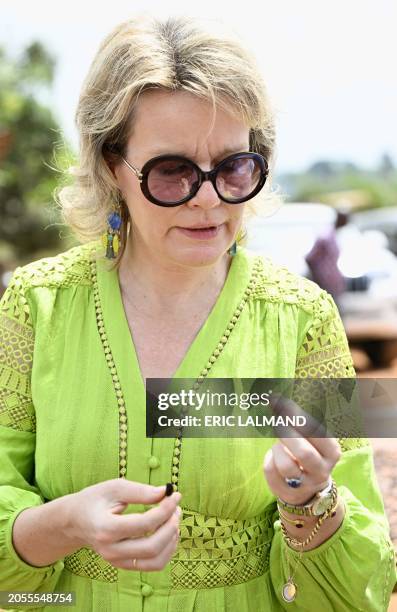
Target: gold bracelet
x=297, y=543
x=294, y=543
x=298, y=522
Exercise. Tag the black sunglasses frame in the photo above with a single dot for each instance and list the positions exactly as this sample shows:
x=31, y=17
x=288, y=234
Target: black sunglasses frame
x=202, y=175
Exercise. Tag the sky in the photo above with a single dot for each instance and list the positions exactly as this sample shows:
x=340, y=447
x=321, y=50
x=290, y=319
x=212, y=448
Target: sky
x=329, y=66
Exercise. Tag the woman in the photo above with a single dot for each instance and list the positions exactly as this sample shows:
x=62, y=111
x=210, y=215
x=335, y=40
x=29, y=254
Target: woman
x=177, y=138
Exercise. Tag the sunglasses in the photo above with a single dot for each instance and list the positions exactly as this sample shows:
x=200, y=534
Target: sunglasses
x=171, y=180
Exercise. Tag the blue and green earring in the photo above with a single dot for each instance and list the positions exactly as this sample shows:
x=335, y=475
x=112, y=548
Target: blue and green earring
x=240, y=238
x=233, y=249
x=112, y=236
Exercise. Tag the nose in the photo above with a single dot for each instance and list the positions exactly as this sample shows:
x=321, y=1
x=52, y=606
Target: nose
x=205, y=198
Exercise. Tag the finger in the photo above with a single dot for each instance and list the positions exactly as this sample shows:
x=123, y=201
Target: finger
x=159, y=562
x=286, y=407
x=144, y=547
x=287, y=468
x=280, y=488
x=139, y=564
x=271, y=472
x=119, y=527
x=307, y=457
x=124, y=492
x=285, y=463
x=327, y=449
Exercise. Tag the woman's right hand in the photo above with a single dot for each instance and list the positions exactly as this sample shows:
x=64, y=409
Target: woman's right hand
x=150, y=537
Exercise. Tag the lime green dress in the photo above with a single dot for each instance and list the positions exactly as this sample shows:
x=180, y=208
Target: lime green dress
x=72, y=413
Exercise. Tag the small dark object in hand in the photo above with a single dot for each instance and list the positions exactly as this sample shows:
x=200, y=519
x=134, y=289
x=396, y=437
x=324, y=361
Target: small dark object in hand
x=169, y=489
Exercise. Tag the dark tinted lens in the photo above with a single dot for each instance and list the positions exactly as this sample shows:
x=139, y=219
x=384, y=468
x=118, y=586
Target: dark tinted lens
x=171, y=180
x=237, y=178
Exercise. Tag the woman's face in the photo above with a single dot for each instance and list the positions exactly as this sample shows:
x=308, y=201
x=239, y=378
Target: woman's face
x=180, y=123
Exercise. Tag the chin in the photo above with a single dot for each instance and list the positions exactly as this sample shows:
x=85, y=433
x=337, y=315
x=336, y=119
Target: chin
x=200, y=255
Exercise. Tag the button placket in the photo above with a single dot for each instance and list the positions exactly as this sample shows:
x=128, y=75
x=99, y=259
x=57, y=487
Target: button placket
x=256, y=269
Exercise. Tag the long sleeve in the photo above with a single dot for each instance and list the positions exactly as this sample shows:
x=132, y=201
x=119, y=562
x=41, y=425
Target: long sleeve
x=17, y=439
x=354, y=570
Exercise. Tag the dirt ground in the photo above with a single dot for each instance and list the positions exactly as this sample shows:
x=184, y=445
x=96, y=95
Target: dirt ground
x=385, y=460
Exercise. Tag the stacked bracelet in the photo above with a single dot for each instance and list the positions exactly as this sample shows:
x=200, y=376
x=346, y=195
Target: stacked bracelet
x=316, y=506
x=294, y=543
x=297, y=522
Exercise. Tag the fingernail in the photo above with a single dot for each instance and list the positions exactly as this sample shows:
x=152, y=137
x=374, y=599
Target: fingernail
x=178, y=511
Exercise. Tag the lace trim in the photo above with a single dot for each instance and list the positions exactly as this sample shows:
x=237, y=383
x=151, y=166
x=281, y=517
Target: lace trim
x=325, y=353
x=123, y=420
x=278, y=284
x=64, y=270
x=85, y=562
x=348, y=444
x=216, y=552
x=16, y=356
x=17, y=333
x=212, y=552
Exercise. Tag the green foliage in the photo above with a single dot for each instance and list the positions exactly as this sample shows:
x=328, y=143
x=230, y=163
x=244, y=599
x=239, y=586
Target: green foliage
x=32, y=136
x=332, y=183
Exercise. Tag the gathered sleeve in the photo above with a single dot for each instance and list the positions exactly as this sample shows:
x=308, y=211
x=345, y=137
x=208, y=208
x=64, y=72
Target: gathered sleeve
x=18, y=490
x=354, y=570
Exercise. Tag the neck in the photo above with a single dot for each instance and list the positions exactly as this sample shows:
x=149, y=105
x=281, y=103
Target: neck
x=158, y=283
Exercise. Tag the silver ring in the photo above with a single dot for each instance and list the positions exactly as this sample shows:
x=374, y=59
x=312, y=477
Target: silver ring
x=294, y=482
x=133, y=563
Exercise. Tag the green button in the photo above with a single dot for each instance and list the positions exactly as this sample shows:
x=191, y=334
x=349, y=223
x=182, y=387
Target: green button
x=153, y=462
x=146, y=590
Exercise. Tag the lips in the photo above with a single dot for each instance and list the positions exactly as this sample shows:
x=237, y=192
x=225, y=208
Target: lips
x=201, y=232
x=196, y=227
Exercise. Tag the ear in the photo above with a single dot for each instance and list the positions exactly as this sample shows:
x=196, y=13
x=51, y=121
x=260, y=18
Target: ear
x=110, y=159
x=111, y=166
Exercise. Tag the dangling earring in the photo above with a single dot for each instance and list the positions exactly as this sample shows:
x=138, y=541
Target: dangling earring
x=240, y=238
x=233, y=249
x=112, y=237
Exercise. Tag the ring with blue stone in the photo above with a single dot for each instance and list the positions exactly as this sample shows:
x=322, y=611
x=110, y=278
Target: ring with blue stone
x=293, y=482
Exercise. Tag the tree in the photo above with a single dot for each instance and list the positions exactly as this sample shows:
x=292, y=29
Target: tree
x=28, y=134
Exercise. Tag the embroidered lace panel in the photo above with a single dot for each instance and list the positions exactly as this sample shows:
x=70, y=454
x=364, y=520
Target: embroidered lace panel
x=215, y=552
x=278, y=284
x=85, y=562
x=17, y=334
x=16, y=351
x=325, y=353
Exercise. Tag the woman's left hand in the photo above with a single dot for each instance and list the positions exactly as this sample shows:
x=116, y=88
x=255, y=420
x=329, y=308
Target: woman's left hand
x=311, y=459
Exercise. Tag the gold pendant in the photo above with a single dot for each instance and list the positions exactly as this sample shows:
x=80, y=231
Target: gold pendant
x=289, y=591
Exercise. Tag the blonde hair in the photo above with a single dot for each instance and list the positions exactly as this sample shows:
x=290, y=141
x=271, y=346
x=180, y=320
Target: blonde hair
x=145, y=53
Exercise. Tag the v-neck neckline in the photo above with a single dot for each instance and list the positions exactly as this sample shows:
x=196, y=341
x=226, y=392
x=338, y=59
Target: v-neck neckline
x=120, y=338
